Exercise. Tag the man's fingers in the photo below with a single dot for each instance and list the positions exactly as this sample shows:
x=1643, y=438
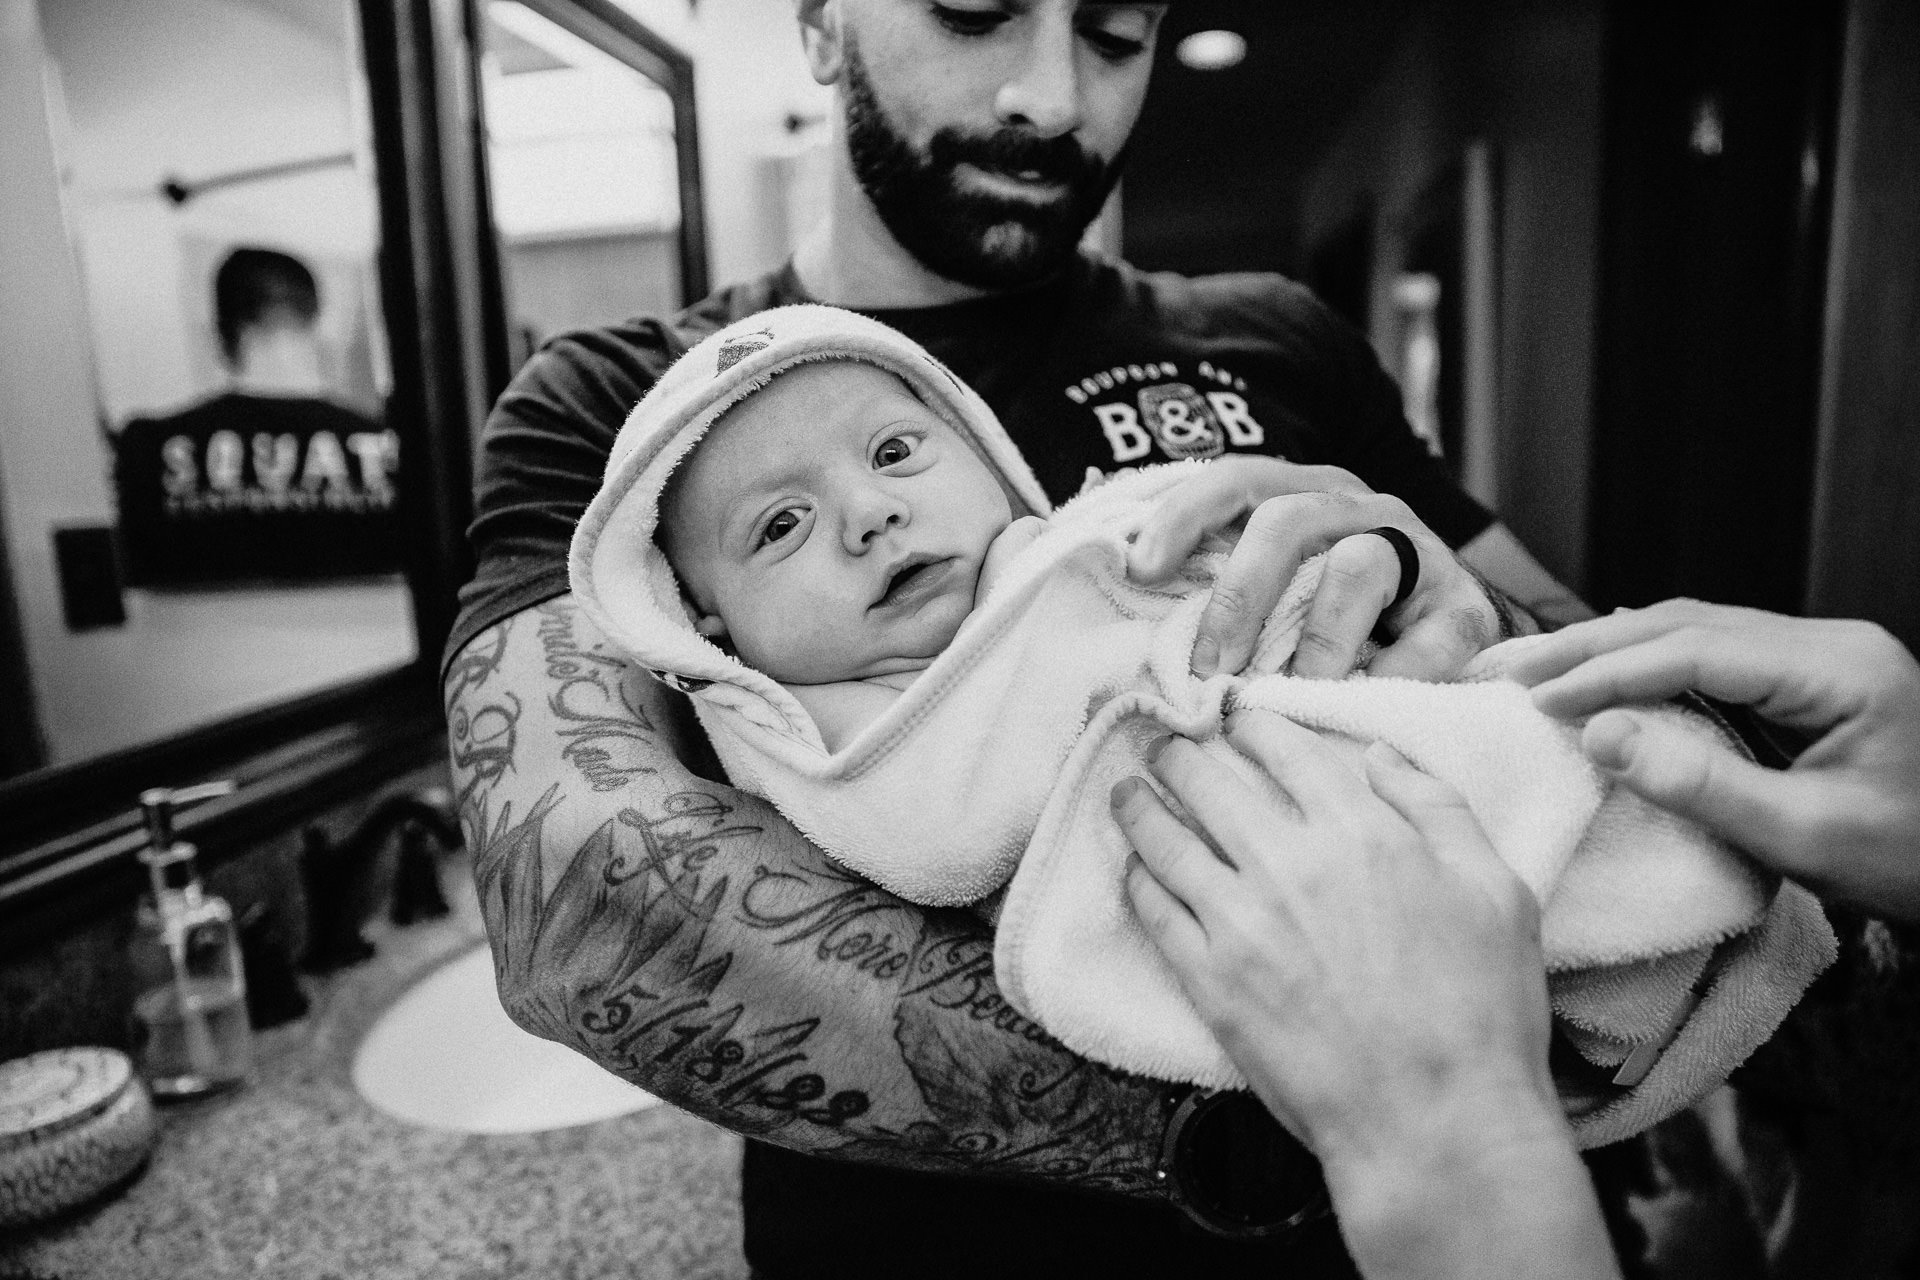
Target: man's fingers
x=1280, y=534
x=1361, y=576
x=1179, y=859
x=1167, y=920
x=1759, y=809
x=1217, y=497
x=1438, y=646
x=1302, y=762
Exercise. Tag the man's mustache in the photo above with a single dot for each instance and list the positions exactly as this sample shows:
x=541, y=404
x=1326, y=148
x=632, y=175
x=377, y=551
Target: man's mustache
x=1014, y=152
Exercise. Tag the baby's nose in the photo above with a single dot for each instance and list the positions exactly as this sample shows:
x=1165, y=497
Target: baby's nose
x=871, y=516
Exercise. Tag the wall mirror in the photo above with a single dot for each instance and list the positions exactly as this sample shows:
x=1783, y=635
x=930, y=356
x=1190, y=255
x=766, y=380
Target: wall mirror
x=255, y=276
x=217, y=532
x=591, y=172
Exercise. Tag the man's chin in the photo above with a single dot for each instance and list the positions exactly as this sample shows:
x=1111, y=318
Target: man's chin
x=1003, y=255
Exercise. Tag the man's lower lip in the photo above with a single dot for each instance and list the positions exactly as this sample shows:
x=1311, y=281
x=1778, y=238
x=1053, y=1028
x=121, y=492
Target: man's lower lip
x=1030, y=185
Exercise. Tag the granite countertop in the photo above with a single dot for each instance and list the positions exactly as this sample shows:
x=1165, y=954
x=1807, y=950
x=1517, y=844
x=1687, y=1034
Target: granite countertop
x=296, y=1175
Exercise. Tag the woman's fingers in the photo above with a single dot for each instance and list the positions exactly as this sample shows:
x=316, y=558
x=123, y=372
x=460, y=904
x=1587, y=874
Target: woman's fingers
x=1300, y=760
x=1179, y=859
x=1169, y=922
x=1440, y=816
x=1763, y=810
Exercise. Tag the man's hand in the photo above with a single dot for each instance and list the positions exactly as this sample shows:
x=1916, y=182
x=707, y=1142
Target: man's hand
x=1844, y=819
x=1291, y=513
x=1373, y=967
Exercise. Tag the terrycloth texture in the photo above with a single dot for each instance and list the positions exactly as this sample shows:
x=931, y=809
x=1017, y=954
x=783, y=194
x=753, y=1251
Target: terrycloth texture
x=1001, y=755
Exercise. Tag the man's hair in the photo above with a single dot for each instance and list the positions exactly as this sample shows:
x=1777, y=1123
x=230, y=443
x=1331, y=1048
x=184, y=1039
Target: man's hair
x=261, y=286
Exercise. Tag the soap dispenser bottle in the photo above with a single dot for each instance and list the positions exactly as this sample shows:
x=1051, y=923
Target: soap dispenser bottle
x=190, y=1008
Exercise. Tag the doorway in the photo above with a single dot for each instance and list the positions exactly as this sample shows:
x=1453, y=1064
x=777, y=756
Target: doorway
x=1719, y=121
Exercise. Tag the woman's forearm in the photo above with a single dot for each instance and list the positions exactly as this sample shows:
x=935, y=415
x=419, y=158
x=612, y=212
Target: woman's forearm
x=1499, y=1193
x=684, y=936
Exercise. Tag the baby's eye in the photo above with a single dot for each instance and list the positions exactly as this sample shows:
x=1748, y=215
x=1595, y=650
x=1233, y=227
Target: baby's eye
x=893, y=451
x=783, y=523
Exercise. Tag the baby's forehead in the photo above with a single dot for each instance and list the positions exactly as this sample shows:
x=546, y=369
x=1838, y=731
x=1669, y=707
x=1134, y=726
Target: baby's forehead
x=800, y=401
x=743, y=446
x=818, y=378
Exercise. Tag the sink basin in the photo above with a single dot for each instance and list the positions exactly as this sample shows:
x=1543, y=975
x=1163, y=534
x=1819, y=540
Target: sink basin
x=446, y=1056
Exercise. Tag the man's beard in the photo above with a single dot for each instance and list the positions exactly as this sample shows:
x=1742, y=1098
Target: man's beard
x=970, y=236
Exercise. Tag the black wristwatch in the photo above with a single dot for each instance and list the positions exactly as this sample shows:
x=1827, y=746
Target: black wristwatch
x=1233, y=1169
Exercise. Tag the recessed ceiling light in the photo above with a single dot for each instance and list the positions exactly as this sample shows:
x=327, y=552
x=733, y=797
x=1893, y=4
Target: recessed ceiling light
x=1212, y=50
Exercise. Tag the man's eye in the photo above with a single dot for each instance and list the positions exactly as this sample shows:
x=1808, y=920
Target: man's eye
x=968, y=22
x=782, y=524
x=1111, y=45
x=893, y=452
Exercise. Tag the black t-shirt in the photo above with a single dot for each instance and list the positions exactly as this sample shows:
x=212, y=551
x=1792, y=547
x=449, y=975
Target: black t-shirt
x=243, y=487
x=1103, y=367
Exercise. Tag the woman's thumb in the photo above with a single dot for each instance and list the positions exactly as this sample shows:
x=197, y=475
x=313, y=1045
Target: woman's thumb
x=1704, y=781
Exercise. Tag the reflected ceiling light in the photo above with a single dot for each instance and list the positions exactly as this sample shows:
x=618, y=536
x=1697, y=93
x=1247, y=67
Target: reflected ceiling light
x=1212, y=50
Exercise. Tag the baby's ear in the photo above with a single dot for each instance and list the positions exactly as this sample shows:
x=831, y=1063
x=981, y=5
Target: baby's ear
x=710, y=626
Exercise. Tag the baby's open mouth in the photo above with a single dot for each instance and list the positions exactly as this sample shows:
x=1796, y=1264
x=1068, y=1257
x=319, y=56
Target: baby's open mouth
x=907, y=581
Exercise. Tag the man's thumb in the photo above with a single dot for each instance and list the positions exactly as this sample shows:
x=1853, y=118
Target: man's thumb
x=1685, y=774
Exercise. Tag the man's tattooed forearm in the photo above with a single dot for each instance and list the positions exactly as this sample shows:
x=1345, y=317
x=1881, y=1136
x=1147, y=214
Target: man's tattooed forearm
x=631, y=958
x=679, y=843
x=594, y=700
x=481, y=734
x=855, y=922
x=477, y=662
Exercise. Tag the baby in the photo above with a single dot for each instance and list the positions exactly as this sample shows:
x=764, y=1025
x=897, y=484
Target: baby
x=816, y=530
x=841, y=559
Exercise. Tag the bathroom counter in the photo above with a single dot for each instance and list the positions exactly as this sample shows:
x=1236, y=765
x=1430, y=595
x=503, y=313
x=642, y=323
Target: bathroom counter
x=296, y=1175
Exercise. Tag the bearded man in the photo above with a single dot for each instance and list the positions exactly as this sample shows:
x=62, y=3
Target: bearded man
x=902, y=1118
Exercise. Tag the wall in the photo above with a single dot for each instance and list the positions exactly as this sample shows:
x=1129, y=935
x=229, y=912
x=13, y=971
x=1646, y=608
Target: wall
x=1525, y=76
x=1866, y=520
x=268, y=87
x=749, y=77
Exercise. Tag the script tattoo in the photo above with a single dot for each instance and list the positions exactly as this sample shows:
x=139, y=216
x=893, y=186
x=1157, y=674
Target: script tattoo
x=682, y=936
x=594, y=701
x=480, y=734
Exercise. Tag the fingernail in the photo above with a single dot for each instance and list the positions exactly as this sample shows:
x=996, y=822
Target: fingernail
x=1206, y=657
x=1608, y=740
x=1385, y=753
x=1155, y=747
x=1124, y=791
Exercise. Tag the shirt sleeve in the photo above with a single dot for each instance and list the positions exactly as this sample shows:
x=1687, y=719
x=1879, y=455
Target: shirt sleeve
x=1366, y=430
x=541, y=458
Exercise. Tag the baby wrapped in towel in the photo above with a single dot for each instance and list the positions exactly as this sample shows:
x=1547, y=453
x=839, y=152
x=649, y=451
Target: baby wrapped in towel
x=816, y=530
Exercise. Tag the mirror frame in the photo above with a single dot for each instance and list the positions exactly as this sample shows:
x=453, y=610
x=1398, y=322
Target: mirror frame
x=68, y=832
x=607, y=27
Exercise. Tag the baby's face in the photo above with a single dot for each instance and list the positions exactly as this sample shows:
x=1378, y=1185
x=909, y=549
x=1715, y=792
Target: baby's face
x=833, y=527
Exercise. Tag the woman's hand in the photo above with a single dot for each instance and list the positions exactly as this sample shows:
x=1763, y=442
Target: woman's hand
x=1374, y=969
x=1844, y=819
x=1290, y=513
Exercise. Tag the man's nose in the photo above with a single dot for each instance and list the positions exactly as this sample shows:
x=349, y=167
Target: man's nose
x=871, y=513
x=1044, y=92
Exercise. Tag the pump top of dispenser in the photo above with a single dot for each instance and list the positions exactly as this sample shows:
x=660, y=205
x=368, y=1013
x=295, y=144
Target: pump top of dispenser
x=157, y=805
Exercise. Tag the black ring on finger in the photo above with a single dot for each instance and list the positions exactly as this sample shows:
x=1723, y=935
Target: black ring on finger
x=1409, y=563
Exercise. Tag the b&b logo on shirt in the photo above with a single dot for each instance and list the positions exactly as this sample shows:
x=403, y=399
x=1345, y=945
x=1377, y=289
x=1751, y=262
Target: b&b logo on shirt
x=1185, y=423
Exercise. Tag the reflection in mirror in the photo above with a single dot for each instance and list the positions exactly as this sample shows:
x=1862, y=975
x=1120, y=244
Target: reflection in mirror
x=583, y=179
x=219, y=197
